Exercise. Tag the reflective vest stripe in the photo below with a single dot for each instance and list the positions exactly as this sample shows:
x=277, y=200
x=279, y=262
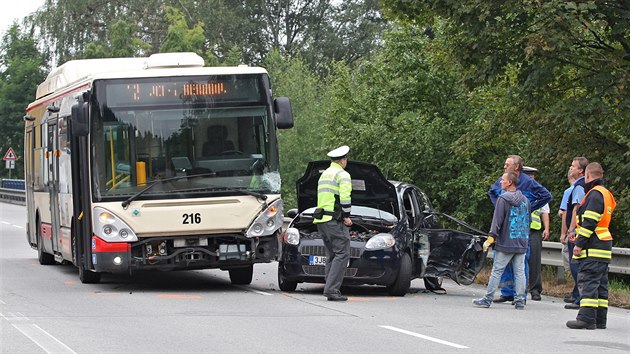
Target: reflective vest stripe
x=602, y=302
x=580, y=231
x=592, y=215
x=593, y=252
x=589, y=302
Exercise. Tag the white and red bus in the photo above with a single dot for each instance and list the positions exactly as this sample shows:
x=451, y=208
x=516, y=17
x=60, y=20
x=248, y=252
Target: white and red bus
x=154, y=163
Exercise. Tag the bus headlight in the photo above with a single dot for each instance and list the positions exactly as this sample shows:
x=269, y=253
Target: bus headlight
x=111, y=228
x=268, y=221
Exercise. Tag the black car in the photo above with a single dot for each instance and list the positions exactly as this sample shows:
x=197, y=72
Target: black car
x=396, y=236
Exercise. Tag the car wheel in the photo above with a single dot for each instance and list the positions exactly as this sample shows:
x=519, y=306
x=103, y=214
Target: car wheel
x=283, y=283
x=403, y=281
x=433, y=283
x=43, y=257
x=241, y=276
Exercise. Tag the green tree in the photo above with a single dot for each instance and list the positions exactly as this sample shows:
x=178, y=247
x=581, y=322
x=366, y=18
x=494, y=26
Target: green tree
x=304, y=142
x=179, y=38
x=563, y=68
x=122, y=43
x=22, y=68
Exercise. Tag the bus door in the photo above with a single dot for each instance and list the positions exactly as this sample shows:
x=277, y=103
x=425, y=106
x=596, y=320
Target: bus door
x=29, y=179
x=53, y=181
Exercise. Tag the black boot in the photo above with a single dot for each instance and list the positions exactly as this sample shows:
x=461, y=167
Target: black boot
x=578, y=324
x=602, y=314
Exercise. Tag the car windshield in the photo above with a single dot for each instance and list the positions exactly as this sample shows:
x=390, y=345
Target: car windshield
x=363, y=212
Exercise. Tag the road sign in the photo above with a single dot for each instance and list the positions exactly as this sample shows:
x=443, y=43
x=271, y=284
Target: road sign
x=10, y=155
x=9, y=164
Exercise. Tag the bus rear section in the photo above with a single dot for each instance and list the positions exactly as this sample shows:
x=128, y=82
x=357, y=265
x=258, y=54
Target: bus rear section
x=173, y=167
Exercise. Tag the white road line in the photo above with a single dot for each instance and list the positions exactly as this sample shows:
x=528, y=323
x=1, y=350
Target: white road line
x=253, y=290
x=37, y=335
x=6, y=223
x=424, y=337
x=44, y=339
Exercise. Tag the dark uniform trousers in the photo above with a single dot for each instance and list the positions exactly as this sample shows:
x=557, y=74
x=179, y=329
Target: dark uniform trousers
x=593, y=282
x=535, y=261
x=336, y=237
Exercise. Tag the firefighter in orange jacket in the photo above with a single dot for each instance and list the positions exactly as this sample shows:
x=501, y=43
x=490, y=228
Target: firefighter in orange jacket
x=593, y=250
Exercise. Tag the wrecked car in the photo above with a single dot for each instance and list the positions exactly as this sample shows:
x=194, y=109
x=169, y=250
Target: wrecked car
x=396, y=236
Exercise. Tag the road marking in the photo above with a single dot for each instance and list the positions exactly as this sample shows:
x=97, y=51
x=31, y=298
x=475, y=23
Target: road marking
x=253, y=290
x=6, y=223
x=178, y=296
x=18, y=226
x=440, y=341
x=37, y=335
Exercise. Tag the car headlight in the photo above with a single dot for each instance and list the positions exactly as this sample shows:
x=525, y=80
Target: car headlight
x=380, y=242
x=111, y=228
x=292, y=236
x=268, y=221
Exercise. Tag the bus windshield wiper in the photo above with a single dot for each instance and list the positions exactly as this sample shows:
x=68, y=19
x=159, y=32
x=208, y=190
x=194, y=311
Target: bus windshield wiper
x=159, y=181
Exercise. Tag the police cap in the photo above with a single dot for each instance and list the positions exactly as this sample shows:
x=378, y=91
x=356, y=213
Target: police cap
x=529, y=170
x=339, y=152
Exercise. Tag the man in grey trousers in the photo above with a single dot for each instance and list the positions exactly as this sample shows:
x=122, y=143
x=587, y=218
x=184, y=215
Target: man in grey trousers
x=332, y=217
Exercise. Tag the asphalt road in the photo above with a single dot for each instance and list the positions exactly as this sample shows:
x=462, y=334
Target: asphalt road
x=45, y=309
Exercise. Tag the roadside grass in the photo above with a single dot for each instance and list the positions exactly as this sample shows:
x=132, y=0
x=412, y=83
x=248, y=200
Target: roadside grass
x=618, y=289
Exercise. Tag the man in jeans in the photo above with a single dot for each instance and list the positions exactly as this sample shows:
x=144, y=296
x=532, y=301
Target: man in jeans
x=510, y=229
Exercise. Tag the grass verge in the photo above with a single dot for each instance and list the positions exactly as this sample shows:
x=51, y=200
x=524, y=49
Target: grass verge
x=618, y=289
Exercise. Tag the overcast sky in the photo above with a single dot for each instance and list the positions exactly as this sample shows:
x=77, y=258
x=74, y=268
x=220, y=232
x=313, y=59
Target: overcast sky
x=16, y=10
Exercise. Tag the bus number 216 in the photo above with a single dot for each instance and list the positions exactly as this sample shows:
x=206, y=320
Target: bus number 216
x=192, y=218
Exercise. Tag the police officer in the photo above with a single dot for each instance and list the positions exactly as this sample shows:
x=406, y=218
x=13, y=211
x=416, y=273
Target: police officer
x=593, y=250
x=332, y=217
x=538, y=231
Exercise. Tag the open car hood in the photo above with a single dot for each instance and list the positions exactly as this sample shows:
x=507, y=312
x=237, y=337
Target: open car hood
x=369, y=187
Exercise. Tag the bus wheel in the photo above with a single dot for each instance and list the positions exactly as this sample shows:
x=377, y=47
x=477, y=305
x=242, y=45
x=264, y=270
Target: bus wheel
x=241, y=276
x=43, y=257
x=88, y=277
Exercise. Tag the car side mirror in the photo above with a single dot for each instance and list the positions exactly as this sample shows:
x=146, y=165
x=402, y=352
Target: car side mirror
x=292, y=213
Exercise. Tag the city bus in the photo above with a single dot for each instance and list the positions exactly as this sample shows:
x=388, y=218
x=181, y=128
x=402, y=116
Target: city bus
x=156, y=163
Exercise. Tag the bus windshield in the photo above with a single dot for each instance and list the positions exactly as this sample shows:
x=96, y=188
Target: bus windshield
x=213, y=132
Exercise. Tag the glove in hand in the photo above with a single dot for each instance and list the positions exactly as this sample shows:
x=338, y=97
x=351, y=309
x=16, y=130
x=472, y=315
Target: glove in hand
x=488, y=243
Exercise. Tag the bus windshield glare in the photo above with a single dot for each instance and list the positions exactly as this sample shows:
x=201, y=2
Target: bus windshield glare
x=214, y=130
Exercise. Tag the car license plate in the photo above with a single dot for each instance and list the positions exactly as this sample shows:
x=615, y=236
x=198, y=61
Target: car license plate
x=317, y=260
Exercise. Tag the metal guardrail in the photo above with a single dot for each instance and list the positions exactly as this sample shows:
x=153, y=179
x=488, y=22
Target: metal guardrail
x=551, y=251
x=13, y=196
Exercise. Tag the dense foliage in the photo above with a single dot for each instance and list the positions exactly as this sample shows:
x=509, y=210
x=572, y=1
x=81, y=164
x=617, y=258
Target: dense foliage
x=437, y=95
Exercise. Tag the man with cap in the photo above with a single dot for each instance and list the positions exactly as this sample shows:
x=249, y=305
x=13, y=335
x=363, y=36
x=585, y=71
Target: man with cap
x=538, y=231
x=332, y=217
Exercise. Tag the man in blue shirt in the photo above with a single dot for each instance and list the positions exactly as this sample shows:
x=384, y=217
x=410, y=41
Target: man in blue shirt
x=537, y=196
x=562, y=213
x=578, y=166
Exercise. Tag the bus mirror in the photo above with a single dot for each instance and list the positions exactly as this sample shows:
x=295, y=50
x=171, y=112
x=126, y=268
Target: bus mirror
x=80, y=125
x=284, y=114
